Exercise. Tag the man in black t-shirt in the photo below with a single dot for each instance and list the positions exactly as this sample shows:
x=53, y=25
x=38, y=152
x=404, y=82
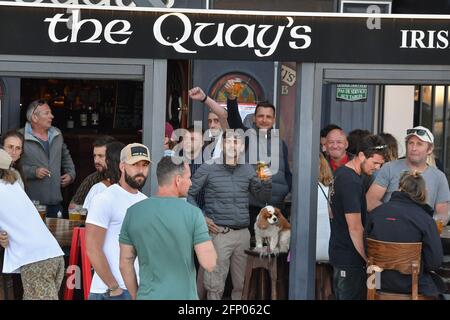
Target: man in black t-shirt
x=348, y=206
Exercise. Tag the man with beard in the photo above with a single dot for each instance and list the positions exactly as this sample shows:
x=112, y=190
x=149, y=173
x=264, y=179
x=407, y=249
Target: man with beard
x=227, y=186
x=348, y=208
x=419, y=145
x=166, y=260
x=105, y=219
x=99, y=154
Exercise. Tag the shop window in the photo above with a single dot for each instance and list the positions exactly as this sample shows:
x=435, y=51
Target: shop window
x=432, y=110
x=84, y=109
x=438, y=123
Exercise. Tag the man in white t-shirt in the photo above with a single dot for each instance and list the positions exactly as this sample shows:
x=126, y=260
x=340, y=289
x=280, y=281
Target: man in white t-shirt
x=105, y=219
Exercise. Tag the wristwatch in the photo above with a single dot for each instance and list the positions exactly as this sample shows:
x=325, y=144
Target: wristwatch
x=109, y=290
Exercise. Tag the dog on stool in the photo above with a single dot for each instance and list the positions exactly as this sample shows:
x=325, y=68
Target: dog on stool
x=273, y=226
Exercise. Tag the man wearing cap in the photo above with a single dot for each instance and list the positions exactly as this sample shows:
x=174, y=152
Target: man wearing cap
x=419, y=144
x=105, y=219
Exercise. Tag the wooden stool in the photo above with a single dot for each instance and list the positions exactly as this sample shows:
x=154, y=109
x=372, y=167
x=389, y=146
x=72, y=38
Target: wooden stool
x=278, y=270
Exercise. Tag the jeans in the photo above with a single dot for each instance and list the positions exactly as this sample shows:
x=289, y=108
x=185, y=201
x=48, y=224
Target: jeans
x=102, y=296
x=349, y=283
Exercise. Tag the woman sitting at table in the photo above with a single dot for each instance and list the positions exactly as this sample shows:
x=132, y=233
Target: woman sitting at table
x=31, y=249
x=408, y=218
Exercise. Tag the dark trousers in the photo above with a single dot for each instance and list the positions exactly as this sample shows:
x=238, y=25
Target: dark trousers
x=349, y=283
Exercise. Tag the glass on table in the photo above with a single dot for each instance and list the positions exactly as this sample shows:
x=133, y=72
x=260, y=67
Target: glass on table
x=42, y=209
x=75, y=213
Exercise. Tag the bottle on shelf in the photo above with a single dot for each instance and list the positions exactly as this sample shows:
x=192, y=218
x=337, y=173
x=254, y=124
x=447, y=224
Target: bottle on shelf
x=94, y=117
x=89, y=116
x=83, y=117
x=70, y=122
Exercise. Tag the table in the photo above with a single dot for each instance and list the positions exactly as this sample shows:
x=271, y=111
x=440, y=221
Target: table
x=62, y=229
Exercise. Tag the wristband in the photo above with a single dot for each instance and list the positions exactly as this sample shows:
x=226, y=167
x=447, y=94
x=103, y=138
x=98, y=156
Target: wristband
x=204, y=99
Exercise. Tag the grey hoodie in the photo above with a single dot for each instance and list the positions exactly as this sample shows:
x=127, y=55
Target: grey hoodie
x=47, y=190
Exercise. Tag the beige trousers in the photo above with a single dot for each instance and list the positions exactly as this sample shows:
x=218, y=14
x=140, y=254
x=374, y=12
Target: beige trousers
x=231, y=257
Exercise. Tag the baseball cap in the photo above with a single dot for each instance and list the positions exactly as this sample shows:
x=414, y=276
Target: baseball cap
x=134, y=152
x=422, y=133
x=5, y=159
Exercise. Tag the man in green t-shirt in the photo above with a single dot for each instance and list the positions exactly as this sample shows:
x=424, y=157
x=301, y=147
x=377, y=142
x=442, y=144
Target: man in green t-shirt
x=163, y=232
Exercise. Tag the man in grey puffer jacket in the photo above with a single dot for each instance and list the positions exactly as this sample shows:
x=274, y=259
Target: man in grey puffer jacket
x=45, y=156
x=227, y=187
x=263, y=145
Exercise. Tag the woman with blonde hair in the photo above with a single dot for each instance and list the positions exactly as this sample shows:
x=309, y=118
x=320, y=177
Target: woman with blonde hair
x=30, y=248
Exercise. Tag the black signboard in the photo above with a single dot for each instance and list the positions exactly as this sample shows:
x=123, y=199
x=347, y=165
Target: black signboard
x=187, y=34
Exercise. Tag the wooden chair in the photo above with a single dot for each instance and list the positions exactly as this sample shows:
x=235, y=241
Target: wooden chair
x=402, y=257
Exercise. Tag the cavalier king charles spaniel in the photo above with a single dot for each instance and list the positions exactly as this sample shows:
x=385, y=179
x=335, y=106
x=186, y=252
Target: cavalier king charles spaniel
x=273, y=226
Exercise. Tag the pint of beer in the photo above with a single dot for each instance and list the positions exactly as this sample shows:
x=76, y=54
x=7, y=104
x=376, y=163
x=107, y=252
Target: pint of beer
x=439, y=224
x=75, y=214
x=260, y=167
x=237, y=87
x=42, y=209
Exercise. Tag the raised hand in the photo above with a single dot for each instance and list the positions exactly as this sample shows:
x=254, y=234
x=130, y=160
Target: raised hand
x=196, y=94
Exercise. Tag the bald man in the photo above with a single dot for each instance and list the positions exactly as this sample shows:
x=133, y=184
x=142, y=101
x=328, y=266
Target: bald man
x=336, y=146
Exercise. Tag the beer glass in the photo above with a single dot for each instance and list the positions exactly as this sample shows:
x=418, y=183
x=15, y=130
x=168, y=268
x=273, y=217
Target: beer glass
x=237, y=87
x=75, y=214
x=42, y=209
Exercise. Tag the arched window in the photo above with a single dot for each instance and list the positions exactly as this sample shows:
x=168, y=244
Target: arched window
x=249, y=93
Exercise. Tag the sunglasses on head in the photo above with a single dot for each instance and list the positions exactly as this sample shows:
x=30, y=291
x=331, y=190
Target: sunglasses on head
x=420, y=132
x=382, y=147
x=38, y=104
